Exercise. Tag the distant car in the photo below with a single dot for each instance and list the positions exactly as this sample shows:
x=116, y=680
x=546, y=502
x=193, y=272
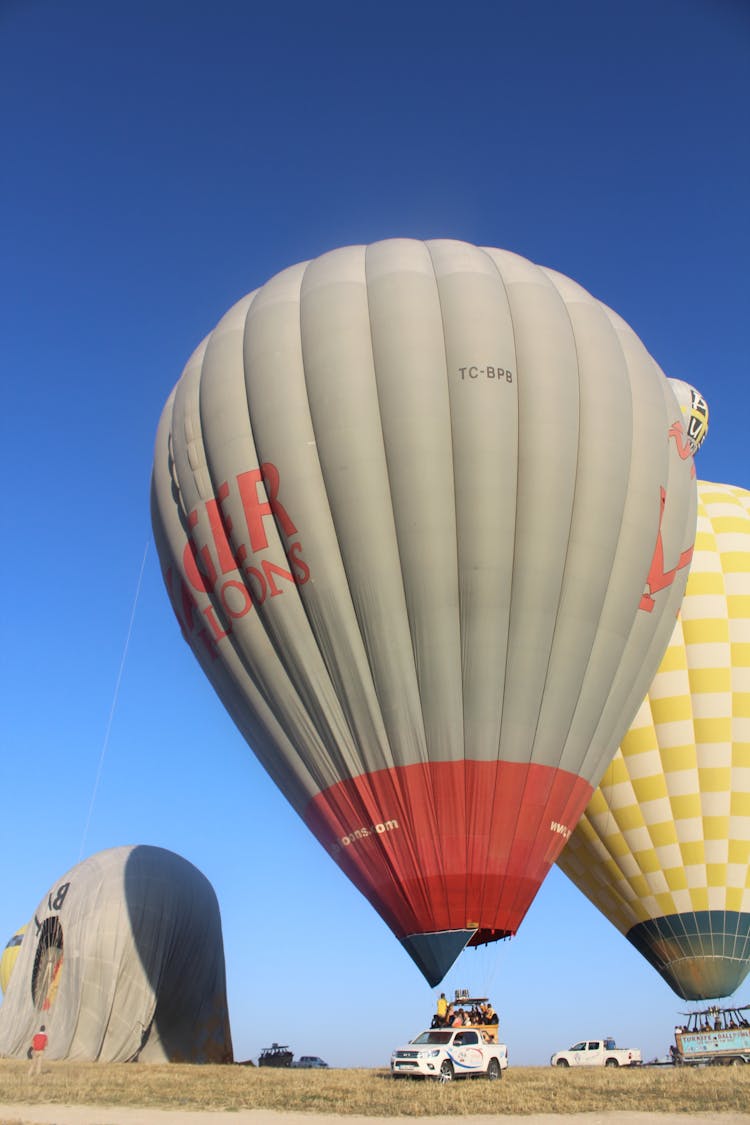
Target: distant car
x=311, y=1062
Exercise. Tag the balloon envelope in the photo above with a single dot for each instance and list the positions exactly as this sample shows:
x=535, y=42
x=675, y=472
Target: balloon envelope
x=694, y=409
x=663, y=849
x=424, y=512
x=9, y=957
x=122, y=961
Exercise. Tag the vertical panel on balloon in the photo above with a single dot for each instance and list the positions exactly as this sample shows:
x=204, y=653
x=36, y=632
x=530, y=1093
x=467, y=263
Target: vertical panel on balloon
x=668, y=571
x=409, y=356
x=578, y=680
x=482, y=382
x=192, y=605
x=342, y=392
x=343, y=397
x=197, y=560
x=547, y=453
x=276, y=382
x=239, y=534
x=482, y=388
x=654, y=498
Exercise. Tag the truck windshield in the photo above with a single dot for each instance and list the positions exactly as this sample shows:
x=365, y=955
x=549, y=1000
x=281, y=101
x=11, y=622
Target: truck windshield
x=437, y=1037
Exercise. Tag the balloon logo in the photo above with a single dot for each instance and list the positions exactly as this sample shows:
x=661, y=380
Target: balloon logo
x=663, y=849
x=425, y=514
x=694, y=409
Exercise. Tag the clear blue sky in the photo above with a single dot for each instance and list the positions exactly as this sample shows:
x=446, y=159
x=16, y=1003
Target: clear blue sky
x=161, y=158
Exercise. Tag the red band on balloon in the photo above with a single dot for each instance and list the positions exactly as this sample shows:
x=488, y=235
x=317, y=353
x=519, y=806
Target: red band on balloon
x=450, y=845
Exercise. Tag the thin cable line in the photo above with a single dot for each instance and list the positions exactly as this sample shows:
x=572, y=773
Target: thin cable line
x=115, y=697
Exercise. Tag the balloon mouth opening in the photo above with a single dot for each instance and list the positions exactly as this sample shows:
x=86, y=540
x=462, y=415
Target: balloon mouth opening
x=702, y=955
x=435, y=952
x=486, y=936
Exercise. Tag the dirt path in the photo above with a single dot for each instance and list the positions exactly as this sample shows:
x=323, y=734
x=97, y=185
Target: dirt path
x=114, y=1115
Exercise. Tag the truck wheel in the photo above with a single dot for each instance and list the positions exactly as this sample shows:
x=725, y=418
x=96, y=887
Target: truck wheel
x=446, y=1071
x=611, y=1062
x=562, y=1062
x=493, y=1070
x=738, y=1061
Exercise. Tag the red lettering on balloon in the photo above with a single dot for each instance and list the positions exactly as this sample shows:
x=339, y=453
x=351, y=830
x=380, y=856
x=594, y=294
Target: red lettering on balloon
x=201, y=580
x=684, y=449
x=220, y=534
x=187, y=620
x=256, y=584
x=659, y=578
x=233, y=598
x=217, y=632
x=270, y=570
x=299, y=566
x=256, y=509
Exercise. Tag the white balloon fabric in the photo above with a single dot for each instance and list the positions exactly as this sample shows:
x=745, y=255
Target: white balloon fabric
x=123, y=961
x=425, y=512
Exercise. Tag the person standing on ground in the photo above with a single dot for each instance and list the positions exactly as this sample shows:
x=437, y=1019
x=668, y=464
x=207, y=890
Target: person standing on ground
x=38, y=1045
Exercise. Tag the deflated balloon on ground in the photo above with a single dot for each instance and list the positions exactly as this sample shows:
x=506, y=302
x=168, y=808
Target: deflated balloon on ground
x=122, y=961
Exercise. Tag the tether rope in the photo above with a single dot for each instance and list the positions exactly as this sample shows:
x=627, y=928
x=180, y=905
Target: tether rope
x=105, y=743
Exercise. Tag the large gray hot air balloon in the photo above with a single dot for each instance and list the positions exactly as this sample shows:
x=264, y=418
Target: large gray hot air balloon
x=425, y=511
x=122, y=961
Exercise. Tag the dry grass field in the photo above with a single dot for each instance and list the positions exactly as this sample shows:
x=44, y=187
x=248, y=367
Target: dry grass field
x=373, y=1093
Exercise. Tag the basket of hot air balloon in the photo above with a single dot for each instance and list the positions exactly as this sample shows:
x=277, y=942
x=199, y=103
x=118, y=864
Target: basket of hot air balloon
x=424, y=511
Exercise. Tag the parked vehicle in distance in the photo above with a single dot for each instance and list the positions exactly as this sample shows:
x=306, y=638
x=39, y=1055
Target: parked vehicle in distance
x=310, y=1062
x=275, y=1056
x=597, y=1052
x=450, y=1052
x=713, y=1036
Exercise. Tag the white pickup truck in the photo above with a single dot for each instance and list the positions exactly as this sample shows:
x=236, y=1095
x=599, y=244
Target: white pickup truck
x=450, y=1052
x=597, y=1052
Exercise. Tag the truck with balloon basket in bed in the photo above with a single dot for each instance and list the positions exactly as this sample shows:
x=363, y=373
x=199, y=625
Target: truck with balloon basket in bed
x=445, y=1052
x=275, y=1055
x=713, y=1036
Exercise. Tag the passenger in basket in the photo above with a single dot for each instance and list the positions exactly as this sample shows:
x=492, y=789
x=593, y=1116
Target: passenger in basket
x=442, y=1008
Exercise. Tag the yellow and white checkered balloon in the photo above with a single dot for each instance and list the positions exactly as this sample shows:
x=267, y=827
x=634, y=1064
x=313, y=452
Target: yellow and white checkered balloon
x=663, y=849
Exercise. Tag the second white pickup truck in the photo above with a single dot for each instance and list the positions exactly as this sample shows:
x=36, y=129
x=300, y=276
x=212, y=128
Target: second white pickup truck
x=597, y=1052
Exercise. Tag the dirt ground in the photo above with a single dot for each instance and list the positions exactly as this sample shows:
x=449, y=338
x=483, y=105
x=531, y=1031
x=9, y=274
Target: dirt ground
x=115, y=1115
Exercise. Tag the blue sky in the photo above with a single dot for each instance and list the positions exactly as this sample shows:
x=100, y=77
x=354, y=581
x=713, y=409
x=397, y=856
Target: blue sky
x=160, y=160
